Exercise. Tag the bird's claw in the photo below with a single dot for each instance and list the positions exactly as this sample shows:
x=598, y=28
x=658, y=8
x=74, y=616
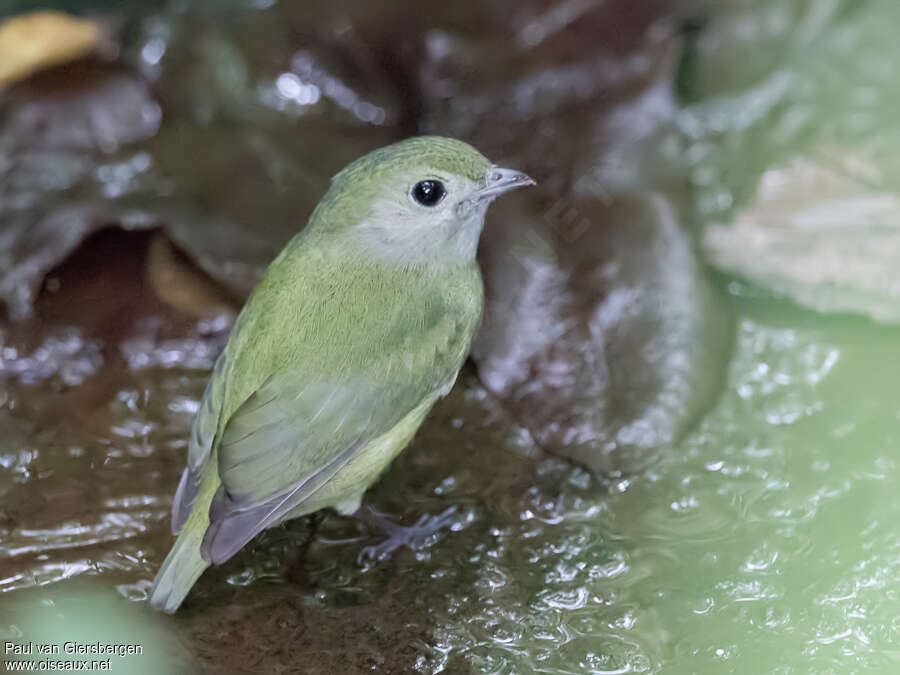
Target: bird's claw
x=416, y=536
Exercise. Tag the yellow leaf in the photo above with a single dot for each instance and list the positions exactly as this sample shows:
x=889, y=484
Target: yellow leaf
x=39, y=40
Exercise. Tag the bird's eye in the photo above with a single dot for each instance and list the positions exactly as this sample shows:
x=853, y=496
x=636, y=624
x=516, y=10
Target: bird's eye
x=429, y=192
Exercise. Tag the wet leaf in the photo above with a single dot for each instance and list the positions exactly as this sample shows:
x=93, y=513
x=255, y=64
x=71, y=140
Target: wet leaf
x=178, y=283
x=602, y=335
x=735, y=45
x=820, y=235
x=797, y=176
x=79, y=150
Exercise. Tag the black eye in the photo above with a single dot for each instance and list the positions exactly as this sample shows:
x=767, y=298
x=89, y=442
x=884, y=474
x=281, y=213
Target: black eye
x=429, y=192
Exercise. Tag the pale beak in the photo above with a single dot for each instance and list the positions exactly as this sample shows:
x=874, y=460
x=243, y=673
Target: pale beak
x=497, y=181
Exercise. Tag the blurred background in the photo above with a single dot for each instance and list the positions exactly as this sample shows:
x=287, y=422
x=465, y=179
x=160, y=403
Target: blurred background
x=675, y=447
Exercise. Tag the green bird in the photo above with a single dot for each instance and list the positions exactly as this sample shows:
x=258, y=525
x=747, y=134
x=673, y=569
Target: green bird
x=359, y=325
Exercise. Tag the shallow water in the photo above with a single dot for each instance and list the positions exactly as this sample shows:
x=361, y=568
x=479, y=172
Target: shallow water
x=767, y=544
x=763, y=540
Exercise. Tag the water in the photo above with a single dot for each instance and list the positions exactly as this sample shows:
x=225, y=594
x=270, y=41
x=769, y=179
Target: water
x=763, y=539
x=766, y=543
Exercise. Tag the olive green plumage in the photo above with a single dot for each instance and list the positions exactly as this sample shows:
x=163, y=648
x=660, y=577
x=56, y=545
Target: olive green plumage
x=357, y=328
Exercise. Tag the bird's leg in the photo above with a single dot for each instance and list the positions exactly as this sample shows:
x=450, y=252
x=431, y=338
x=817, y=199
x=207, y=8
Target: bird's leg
x=297, y=572
x=415, y=536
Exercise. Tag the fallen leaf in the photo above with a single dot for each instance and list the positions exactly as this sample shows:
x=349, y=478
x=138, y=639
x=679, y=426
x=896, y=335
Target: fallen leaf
x=39, y=40
x=820, y=234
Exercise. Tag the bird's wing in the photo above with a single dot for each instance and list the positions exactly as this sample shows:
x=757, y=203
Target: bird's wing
x=203, y=433
x=288, y=439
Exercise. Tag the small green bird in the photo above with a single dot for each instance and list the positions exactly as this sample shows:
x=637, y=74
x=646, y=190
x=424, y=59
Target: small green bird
x=360, y=324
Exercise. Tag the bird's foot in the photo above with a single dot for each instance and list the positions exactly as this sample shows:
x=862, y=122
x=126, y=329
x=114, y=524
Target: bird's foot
x=422, y=534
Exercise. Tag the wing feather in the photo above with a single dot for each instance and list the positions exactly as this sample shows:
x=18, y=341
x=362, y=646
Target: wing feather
x=203, y=434
x=232, y=528
x=288, y=440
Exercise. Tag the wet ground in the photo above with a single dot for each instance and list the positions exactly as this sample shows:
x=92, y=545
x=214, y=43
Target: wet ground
x=674, y=449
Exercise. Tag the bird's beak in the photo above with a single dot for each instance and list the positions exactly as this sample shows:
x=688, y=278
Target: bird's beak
x=497, y=181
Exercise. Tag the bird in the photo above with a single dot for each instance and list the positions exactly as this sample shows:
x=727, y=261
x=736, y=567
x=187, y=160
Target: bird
x=356, y=329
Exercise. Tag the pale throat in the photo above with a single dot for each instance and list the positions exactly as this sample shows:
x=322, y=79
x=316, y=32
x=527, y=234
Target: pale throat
x=393, y=235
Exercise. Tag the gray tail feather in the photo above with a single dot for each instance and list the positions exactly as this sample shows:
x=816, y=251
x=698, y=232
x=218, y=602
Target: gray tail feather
x=181, y=568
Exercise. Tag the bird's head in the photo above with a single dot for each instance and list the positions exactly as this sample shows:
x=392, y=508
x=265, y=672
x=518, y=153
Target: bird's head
x=419, y=201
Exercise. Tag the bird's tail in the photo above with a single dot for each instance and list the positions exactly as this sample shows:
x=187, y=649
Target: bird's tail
x=181, y=568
